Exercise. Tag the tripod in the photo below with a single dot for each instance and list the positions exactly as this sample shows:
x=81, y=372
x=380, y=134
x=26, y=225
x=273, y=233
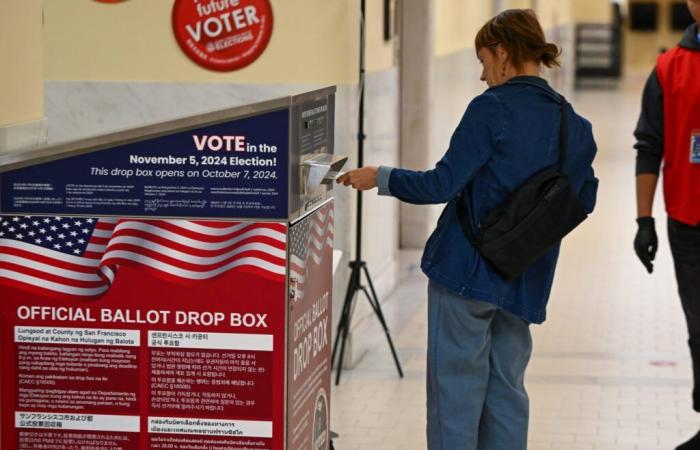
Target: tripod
x=358, y=266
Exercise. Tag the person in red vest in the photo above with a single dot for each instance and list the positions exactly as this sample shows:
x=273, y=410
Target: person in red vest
x=669, y=129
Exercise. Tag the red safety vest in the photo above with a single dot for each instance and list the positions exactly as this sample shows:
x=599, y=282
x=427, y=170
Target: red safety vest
x=678, y=71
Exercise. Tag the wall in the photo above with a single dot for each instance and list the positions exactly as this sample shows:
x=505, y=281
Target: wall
x=592, y=11
x=456, y=24
x=520, y=4
x=380, y=54
x=554, y=13
x=558, y=19
x=312, y=42
x=642, y=47
x=21, y=80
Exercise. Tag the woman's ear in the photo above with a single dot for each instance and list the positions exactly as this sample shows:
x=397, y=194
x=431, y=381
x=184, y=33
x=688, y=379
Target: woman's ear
x=502, y=54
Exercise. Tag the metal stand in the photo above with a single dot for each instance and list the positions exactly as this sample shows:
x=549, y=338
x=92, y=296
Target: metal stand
x=358, y=266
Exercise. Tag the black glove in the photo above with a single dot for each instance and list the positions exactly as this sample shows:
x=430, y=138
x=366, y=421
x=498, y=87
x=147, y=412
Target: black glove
x=646, y=242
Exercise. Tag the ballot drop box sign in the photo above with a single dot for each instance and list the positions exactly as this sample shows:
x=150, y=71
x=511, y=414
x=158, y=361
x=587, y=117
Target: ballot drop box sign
x=136, y=313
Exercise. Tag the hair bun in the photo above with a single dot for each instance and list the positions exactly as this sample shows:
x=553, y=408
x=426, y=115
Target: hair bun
x=550, y=55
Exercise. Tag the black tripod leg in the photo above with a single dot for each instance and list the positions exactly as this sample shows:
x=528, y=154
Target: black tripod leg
x=345, y=313
x=374, y=302
x=346, y=328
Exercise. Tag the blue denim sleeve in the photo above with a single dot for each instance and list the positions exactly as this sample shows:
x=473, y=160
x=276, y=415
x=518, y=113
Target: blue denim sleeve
x=383, y=180
x=589, y=191
x=471, y=146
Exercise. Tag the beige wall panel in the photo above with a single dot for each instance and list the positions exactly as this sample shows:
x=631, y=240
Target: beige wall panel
x=21, y=48
x=313, y=41
x=642, y=47
x=457, y=22
x=380, y=55
x=555, y=13
x=592, y=11
x=557, y=20
x=518, y=4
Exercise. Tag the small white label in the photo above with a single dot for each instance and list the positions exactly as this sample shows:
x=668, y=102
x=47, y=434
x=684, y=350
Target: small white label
x=77, y=336
x=210, y=427
x=85, y=422
x=212, y=341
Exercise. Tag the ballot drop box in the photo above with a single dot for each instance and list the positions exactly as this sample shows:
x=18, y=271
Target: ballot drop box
x=169, y=287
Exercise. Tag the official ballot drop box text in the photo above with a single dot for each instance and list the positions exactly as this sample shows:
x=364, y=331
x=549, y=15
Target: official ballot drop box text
x=169, y=287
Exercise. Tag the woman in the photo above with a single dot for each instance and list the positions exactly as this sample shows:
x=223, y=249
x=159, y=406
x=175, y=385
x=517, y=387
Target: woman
x=479, y=340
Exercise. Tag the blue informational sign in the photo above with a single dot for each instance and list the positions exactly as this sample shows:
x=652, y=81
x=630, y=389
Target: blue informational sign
x=236, y=169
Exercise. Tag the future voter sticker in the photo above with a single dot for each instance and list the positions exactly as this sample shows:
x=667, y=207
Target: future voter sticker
x=320, y=429
x=222, y=35
x=695, y=147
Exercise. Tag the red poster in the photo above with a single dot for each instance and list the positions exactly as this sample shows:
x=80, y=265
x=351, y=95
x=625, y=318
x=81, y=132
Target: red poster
x=142, y=334
x=222, y=35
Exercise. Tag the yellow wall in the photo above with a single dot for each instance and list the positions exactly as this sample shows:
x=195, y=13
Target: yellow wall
x=21, y=80
x=642, y=47
x=518, y=4
x=457, y=22
x=313, y=41
x=380, y=55
x=554, y=13
x=593, y=11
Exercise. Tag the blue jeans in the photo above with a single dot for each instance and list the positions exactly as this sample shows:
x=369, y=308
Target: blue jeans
x=477, y=355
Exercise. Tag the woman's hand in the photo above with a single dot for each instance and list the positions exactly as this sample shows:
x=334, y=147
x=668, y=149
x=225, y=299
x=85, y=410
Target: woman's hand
x=362, y=179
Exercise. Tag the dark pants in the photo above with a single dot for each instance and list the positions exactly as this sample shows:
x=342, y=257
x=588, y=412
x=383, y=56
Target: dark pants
x=685, y=247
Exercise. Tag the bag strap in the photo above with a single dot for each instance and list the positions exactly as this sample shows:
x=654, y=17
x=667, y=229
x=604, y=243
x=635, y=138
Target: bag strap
x=463, y=207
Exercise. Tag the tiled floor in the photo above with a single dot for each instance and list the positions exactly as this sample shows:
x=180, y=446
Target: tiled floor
x=610, y=368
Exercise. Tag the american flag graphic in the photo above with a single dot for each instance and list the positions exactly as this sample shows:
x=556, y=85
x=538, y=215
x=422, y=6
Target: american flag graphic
x=308, y=240
x=80, y=256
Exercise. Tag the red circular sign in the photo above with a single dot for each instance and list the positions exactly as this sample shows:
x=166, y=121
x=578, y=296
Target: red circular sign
x=222, y=35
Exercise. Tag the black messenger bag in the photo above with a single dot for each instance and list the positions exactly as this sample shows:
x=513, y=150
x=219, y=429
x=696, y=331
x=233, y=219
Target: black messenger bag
x=536, y=216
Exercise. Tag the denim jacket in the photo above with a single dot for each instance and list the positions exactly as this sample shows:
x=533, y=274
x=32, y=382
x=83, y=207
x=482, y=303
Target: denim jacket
x=506, y=135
